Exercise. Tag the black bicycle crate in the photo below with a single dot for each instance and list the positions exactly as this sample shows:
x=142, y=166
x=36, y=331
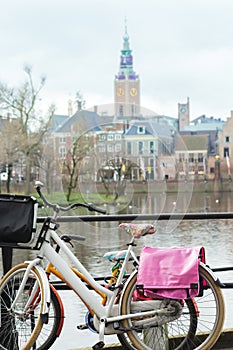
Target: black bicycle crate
x=18, y=215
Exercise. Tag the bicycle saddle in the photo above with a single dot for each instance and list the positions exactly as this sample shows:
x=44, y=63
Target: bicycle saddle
x=138, y=230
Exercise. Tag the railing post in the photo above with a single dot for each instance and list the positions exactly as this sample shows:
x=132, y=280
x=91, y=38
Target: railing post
x=7, y=264
x=6, y=259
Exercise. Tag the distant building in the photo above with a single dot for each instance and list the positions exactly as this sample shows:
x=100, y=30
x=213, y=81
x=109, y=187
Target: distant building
x=225, y=148
x=145, y=141
x=191, y=155
x=163, y=120
x=206, y=120
x=204, y=126
x=126, y=85
x=183, y=114
x=159, y=147
x=57, y=121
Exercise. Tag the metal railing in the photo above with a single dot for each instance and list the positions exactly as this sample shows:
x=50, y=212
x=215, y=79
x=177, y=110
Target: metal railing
x=145, y=217
x=7, y=249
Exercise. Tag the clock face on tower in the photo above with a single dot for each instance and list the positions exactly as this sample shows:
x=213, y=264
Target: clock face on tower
x=133, y=92
x=120, y=92
x=183, y=110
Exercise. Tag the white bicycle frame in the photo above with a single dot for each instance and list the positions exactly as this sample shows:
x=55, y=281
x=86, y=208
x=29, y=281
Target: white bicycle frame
x=105, y=314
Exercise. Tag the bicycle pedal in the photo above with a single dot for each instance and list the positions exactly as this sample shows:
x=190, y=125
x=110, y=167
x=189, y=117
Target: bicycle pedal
x=98, y=345
x=82, y=326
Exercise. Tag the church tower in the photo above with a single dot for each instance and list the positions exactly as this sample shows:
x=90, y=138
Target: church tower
x=126, y=84
x=183, y=114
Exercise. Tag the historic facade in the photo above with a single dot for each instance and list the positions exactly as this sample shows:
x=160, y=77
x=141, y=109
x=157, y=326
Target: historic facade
x=225, y=148
x=191, y=154
x=145, y=142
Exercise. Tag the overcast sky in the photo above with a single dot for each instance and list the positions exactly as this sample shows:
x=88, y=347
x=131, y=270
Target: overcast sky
x=181, y=48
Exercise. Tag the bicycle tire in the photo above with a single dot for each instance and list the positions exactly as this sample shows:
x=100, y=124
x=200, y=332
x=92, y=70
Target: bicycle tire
x=208, y=329
x=19, y=327
x=52, y=329
x=189, y=322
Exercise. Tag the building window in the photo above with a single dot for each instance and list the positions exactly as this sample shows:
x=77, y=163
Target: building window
x=102, y=148
x=121, y=111
x=129, y=150
x=118, y=147
x=62, y=152
x=62, y=139
x=110, y=137
x=152, y=148
x=200, y=157
x=191, y=157
x=102, y=137
x=226, y=152
x=151, y=162
x=133, y=109
x=118, y=137
x=181, y=157
x=164, y=148
x=227, y=138
x=140, y=147
x=212, y=170
x=141, y=130
x=110, y=148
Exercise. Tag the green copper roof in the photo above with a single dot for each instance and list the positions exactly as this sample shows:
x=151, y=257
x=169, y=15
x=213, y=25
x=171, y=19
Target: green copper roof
x=126, y=62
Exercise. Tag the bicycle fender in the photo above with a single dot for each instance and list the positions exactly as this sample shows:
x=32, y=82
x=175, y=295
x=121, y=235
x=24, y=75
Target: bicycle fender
x=62, y=310
x=125, y=286
x=211, y=273
x=46, y=292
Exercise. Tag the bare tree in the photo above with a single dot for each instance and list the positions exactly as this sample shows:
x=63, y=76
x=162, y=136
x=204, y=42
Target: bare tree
x=8, y=148
x=114, y=176
x=22, y=104
x=72, y=165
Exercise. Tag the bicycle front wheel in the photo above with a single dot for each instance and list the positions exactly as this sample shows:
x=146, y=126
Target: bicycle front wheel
x=20, y=321
x=51, y=330
x=197, y=327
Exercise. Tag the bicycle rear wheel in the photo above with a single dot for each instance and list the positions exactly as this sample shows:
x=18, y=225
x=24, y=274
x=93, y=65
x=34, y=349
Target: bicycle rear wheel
x=185, y=324
x=20, y=323
x=183, y=333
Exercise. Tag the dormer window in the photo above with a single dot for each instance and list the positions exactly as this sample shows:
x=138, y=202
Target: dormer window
x=141, y=129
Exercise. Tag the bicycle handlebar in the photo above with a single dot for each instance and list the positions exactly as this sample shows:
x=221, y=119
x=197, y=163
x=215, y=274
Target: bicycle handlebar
x=57, y=207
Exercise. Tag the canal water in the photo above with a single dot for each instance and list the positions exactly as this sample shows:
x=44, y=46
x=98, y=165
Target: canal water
x=215, y=235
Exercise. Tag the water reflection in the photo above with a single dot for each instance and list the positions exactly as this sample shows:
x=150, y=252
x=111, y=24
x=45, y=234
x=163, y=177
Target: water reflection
x=182, y=203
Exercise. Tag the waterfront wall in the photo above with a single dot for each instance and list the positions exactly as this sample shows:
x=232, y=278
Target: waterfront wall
x=172, y=186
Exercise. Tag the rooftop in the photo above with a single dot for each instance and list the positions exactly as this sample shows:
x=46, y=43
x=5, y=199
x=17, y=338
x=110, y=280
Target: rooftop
x=190, y=143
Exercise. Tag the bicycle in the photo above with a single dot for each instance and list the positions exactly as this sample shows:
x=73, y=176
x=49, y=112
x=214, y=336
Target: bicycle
x=200, y=314
x=53, y=329
x=26, y=289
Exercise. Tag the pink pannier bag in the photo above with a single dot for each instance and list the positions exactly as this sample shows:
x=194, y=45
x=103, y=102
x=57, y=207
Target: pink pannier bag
x=170, y=272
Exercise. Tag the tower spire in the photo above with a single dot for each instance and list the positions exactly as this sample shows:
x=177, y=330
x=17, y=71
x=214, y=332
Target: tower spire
x=126, y=60
x=126, y=36
x=126, y=25
x=127, y=84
